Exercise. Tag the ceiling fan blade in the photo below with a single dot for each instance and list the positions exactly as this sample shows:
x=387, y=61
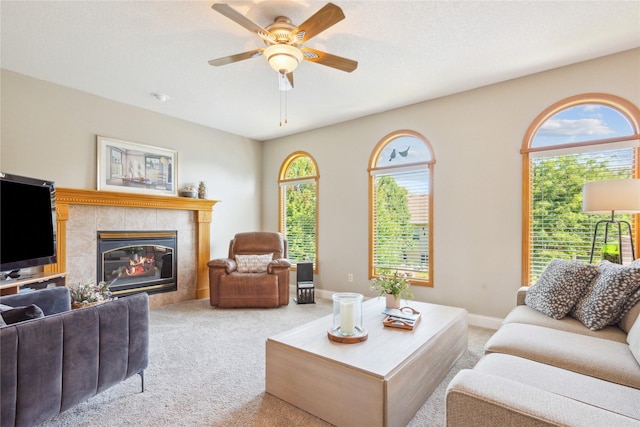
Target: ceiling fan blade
x=235, y=58
x=240, y=19
x=329, y=15
x=329, y=60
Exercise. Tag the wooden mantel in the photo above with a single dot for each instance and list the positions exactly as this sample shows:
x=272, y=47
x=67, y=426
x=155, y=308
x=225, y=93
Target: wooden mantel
x=202, y=208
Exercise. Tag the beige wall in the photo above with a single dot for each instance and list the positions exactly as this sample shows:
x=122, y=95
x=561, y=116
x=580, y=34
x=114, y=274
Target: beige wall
x=49, y=131
x=476, y=137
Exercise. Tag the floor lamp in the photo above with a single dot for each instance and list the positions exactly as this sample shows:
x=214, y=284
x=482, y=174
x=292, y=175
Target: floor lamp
x=612, y=196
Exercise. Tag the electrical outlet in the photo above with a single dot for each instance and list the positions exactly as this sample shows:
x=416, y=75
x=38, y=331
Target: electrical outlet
x=350, y=278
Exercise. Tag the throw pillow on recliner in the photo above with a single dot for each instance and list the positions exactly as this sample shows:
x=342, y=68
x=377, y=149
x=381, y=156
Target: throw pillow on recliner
x=253, y=263
x=560, y=286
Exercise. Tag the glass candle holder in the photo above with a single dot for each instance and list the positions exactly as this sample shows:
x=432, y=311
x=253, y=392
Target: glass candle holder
x=347, y=314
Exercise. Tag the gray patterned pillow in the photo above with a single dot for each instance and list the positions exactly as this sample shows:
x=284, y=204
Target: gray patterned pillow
x=560, y=286
x=633, y=298
x=608, y=300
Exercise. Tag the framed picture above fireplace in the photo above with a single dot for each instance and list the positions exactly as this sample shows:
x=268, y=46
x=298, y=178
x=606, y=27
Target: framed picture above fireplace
x=136, y=168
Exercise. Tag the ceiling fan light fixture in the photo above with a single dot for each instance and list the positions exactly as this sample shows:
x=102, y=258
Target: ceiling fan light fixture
x=283, y=58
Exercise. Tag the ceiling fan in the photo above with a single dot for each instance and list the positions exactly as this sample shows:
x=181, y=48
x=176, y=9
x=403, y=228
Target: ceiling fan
x=285, y=41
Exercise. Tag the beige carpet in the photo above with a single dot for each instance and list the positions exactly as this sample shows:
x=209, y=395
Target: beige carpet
x=206, y=368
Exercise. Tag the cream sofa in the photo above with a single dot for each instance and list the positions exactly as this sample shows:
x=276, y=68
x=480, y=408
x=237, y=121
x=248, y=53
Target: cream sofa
x=539, y=371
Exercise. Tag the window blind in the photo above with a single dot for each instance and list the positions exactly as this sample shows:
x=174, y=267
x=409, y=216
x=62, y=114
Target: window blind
x=300, y=219
x=558, y=227
x=401, y=221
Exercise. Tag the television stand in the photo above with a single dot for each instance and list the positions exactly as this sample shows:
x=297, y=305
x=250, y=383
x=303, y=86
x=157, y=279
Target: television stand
x=34, y=281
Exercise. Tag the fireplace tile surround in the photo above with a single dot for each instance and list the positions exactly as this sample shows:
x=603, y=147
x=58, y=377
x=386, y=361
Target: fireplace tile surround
x=81, y=213
x=82, y=241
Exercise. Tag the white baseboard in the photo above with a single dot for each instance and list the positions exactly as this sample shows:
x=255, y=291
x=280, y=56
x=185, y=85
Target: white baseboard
x=484, y=321
x=322, y=293
x=473, y=319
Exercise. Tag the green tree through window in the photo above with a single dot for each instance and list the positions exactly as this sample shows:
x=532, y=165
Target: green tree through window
x=298, y=206
x=560, y=230
x=400, y=212
x=394, y=233
x=580, y=139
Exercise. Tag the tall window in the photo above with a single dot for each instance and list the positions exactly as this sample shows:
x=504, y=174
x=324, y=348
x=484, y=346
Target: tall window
x=584, y=138
x=299, y=206
x=401, y=207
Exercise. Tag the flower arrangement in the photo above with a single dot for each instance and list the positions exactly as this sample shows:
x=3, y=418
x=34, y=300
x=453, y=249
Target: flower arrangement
x=89, y=293
x=396, y=284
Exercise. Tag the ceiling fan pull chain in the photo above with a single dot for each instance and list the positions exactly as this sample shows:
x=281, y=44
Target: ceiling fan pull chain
x=283, y=100
x=286, y=113
x=280, y=108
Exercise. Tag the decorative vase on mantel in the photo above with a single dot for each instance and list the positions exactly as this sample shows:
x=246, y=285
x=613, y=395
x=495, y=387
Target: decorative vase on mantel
x=393, y=301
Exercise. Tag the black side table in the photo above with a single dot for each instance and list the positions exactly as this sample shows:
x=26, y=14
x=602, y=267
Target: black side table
x=305, y=289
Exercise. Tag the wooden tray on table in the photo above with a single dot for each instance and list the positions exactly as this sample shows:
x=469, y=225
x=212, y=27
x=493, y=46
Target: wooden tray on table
x=402, y=318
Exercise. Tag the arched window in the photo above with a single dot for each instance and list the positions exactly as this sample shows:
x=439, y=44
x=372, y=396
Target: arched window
x=401, y=207
x=298, y=202
x=583, y=138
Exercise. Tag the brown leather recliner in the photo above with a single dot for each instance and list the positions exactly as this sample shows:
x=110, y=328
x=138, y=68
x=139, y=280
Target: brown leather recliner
x=266, y=284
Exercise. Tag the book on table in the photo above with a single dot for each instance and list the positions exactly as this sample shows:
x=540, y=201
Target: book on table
x=404, y=317
x=407, y=313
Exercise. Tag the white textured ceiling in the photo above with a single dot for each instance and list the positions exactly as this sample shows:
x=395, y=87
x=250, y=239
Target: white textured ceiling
x=408, y=51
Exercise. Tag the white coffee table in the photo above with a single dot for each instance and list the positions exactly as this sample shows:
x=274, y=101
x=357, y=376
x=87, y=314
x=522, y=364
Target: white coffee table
x=382, y=381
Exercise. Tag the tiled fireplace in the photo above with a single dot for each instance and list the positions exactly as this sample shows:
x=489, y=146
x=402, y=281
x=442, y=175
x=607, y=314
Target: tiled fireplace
x=82, y=214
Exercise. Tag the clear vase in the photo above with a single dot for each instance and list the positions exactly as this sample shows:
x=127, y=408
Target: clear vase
x=347, y=314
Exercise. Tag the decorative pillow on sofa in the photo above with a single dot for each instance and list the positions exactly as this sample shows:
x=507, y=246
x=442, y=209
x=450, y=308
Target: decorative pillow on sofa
x=635, y=297
x=560, y=286
x=253, y=263
x=605, y=303
x=20, y=314
x=4, y=307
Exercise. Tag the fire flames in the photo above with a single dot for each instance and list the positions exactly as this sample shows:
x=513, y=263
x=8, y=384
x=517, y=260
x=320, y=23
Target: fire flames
x=140, y=266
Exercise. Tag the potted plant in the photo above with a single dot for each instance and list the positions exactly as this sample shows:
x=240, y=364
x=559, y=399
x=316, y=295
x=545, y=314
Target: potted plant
x=88, y=293
x=394, y=286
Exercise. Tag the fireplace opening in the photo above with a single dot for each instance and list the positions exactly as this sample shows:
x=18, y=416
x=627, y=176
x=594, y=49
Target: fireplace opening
x=138, y=261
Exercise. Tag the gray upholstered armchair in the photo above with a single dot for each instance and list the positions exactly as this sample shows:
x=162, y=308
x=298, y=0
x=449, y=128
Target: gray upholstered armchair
x=256, y=273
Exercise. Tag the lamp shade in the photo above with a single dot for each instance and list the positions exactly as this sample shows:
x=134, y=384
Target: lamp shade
x=605, y=197
x=283, y=58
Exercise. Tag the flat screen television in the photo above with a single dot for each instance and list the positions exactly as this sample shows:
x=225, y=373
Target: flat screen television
x=27, y=223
